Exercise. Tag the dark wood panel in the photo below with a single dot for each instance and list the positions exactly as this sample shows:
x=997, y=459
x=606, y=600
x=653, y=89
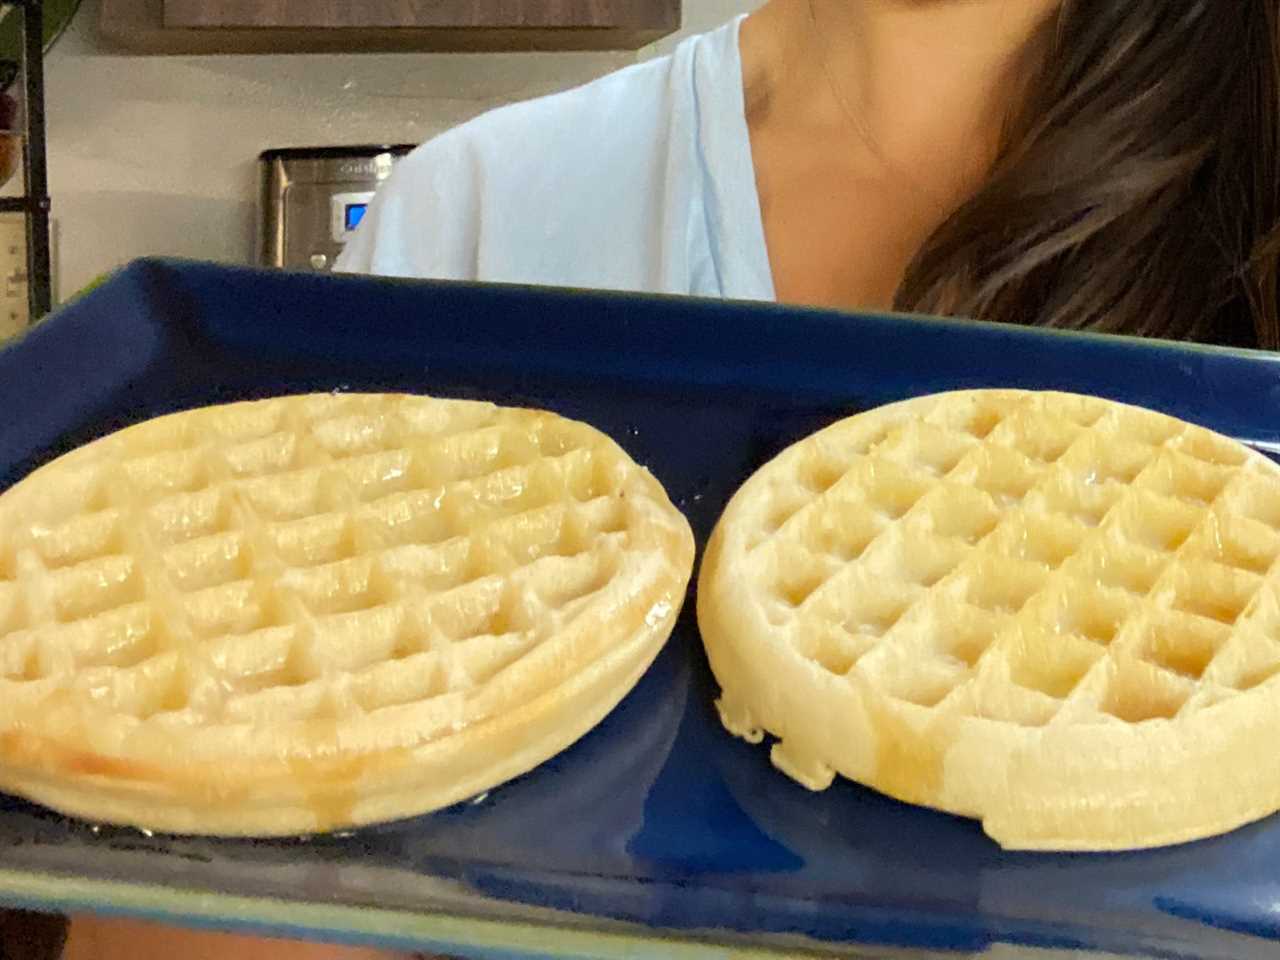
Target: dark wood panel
x=138, y=26
x=597, y=14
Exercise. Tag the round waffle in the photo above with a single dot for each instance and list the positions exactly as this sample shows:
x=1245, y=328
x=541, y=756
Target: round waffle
x=1055, y=613
x=315, y=612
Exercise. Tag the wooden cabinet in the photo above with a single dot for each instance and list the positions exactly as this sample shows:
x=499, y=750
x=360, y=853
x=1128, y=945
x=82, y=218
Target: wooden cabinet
x=209, y=26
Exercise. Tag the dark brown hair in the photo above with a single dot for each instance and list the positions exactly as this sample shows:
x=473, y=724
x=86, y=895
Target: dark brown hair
x=1138, y=191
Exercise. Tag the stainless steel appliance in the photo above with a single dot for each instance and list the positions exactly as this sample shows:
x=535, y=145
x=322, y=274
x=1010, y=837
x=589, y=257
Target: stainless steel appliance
x=313, y=198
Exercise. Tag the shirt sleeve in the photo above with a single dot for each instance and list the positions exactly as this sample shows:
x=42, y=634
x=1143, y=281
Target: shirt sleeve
x=424, y=218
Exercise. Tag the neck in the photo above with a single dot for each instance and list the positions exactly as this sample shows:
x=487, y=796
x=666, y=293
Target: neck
x=919, y=84
x=922, y=68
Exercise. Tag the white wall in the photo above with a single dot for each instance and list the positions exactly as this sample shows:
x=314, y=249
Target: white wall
x=157, y=155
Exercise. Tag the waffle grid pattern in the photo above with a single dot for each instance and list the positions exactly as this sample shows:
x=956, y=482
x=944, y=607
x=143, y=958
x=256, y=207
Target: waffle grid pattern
x=1031, y=559
x=320, y=557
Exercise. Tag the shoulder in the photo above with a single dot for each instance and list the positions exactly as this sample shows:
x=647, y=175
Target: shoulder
x=537, y=180
x=611, y=116
x=572, y=126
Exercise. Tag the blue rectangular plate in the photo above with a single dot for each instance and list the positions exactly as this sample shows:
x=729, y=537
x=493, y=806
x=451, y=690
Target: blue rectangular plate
x=657, y=834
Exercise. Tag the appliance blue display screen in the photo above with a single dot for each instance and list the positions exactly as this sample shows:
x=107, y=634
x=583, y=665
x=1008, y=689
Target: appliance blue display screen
x=355, y=213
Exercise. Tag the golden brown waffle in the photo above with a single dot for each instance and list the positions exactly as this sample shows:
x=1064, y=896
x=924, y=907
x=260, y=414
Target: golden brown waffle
x=1055, y=613
x=315, y=612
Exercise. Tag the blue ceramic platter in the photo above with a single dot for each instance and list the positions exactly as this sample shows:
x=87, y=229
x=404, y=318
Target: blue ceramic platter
x=657, y=834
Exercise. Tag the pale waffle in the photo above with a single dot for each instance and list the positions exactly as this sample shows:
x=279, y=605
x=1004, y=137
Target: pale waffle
x=321, y=611
x=1055, y=613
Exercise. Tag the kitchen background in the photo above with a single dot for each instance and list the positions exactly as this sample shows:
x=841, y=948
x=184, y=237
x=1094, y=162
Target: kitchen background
x=158, y=154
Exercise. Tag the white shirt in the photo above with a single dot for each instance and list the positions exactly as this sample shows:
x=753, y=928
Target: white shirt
x=641, y=180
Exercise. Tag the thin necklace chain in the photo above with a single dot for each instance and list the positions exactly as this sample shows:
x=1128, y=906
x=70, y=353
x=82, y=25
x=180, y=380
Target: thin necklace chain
x=851, y=115
x=825, y=62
